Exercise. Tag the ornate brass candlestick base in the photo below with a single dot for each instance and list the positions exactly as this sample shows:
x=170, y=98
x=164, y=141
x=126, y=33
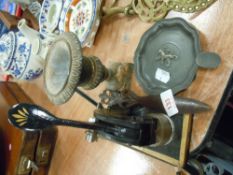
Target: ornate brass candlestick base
x=66, y=69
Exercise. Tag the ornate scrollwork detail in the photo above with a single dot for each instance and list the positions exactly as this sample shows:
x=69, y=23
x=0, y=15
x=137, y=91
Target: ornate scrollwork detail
x=190, y=6
x=149, y=10
x=154, y=10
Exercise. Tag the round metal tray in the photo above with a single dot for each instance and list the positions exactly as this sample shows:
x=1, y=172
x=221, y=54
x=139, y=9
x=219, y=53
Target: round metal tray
x=166, y=56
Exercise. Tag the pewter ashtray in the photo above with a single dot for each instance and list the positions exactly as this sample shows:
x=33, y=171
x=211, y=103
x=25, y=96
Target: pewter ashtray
x=168, y=57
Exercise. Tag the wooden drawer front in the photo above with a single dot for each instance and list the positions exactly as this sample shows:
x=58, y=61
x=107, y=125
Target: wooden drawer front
x=15, y=143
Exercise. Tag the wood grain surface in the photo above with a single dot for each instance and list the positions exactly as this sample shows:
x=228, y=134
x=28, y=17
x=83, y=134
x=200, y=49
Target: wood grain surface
x=15, y=143
x=117, y=40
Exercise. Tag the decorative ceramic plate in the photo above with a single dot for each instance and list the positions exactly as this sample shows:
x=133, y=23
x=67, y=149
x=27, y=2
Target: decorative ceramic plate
x=82, y=19
x=49, y=16
x=166, y=56
x=65, y=8
x=35, y=9
x=21, y=56
x=7, y=47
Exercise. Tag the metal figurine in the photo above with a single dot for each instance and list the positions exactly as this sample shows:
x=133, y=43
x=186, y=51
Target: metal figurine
x=66, y=69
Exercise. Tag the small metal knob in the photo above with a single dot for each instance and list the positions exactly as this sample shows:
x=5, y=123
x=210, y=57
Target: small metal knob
x=26, y=165
x=91, y=136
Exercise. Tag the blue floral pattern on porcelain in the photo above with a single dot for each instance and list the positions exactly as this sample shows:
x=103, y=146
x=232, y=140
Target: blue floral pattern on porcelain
x=7, y=46
x=3, y=47
x=21, y=56
x=16, y=57
x=35, y=9
x=32, y=74
x=49, y=18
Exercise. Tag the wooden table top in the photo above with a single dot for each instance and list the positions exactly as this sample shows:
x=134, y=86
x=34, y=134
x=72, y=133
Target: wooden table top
x=116, y=41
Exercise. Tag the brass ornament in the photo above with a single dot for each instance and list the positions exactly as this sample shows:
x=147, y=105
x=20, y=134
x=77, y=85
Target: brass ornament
x=154, y=10
x=190, y=6
x=149, y=11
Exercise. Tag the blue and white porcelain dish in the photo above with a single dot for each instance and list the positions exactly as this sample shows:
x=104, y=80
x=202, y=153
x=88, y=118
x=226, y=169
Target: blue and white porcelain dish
x=21, y=56
x=49, y=16
x=7, y=47
x=65, y=8
x=24, y=66
x=17, y=57
x=35, y=9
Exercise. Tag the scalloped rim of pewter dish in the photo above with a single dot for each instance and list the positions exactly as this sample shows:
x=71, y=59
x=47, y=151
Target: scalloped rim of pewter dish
x=174, y=37
x=47, y=27
x=88, y=37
